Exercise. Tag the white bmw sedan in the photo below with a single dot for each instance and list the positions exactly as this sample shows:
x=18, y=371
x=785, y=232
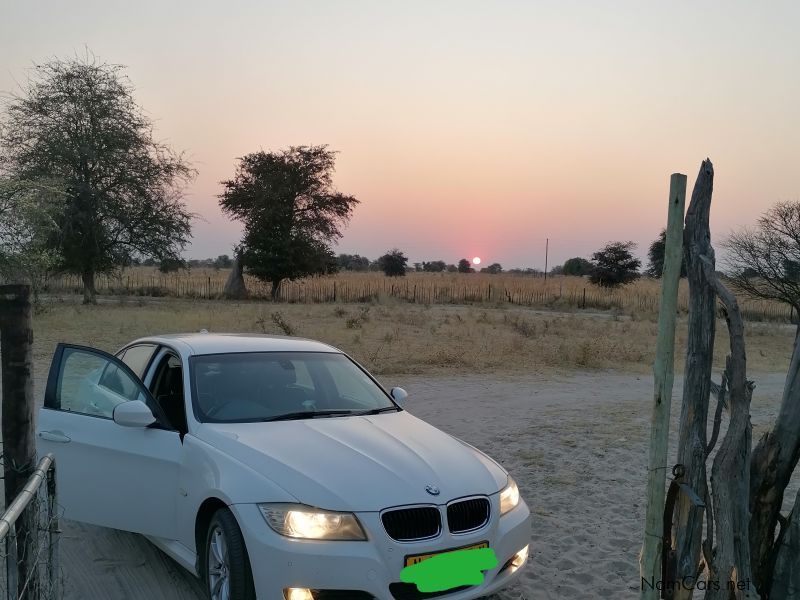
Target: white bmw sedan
x=272, y=467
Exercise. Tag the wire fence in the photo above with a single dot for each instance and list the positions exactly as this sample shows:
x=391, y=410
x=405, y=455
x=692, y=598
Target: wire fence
x=29, y=538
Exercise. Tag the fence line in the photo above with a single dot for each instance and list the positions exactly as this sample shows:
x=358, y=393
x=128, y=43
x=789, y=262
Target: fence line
x=565, y=292
x=31, y=524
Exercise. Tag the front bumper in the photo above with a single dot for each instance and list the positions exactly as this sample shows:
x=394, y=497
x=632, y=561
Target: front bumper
x=371, y=567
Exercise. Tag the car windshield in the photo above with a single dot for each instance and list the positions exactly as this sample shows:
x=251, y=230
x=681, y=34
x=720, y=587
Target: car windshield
x=267, y=386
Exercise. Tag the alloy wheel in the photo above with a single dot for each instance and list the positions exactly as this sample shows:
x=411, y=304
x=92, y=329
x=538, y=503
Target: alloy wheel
x=219, y=583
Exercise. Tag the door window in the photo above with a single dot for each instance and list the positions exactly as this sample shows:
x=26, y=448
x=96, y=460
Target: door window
x=90, y=382
x=138, y=357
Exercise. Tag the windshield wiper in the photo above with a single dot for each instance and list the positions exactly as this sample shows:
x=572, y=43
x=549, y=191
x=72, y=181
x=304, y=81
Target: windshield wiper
x=377, y=411
x=309, y=414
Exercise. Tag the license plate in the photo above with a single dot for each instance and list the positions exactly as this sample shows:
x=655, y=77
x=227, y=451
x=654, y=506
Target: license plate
x=414, y=559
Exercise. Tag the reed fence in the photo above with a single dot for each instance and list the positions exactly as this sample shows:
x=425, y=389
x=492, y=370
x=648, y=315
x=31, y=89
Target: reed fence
x=424, y=288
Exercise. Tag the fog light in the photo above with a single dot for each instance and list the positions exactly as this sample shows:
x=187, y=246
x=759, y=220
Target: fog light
x=298, y=594
x=520, y=558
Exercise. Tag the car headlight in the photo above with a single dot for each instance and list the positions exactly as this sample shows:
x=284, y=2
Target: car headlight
x=509, y=497
x=309, y=523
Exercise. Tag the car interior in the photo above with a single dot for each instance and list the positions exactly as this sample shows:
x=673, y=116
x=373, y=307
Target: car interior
x=251, y=389
x=167, y=389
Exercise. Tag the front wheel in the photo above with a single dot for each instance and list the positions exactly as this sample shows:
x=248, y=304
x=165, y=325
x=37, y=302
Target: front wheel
x=227, y=566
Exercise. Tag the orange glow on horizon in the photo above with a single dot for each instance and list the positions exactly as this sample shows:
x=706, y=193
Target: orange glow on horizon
x=486, y=126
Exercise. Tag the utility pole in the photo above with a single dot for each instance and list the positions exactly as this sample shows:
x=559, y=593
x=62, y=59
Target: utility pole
x=650, y=566
x=546, y=250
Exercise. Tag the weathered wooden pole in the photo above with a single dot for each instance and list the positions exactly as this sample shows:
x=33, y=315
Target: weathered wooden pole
x=650, y=566
x=786, y=584
x=546, y=252
x=773, y=463
x=687, y=531
x=18, y=425
x=729, y=571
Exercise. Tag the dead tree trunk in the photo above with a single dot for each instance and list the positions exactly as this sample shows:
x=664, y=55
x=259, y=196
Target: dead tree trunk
x=234, y=286
x=729, y=570
x=18, y=426
x=786, y=584
x=688, y=525
x=774, y=459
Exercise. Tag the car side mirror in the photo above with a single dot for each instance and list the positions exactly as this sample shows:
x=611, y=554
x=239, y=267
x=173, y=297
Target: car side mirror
x=133, y=414
x=399, y=395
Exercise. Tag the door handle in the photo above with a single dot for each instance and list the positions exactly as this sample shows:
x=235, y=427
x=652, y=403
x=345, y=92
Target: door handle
x=54, y=436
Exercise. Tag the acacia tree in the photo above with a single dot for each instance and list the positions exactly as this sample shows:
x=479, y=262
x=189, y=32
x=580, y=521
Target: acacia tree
x=464, y=266
x=290, y=210
x=763, y=263
x=614, y=265
x=434, y=266
x=27, y=222
x=577, y=266
x=76, y=121
x=655, y=255
x=393, y=263
x=352, y=262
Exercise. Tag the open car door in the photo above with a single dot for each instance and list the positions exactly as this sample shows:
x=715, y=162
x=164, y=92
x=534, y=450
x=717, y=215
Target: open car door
x=108, y=474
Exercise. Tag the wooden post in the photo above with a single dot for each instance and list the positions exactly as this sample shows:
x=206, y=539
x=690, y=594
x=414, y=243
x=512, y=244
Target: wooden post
x=546, y=252
x=687, y=530
x=54, y=531
x=18, y=421
x=650, y=567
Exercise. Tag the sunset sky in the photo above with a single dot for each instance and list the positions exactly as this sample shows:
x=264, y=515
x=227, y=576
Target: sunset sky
x=465, y=128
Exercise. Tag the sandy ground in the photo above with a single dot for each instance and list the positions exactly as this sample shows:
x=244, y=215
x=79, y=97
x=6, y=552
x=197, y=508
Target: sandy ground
x=576, y=444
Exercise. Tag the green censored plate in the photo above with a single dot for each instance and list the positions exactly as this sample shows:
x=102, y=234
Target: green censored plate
x=450, y=569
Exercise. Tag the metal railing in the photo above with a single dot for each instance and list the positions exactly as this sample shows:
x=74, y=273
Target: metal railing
x=29, y=535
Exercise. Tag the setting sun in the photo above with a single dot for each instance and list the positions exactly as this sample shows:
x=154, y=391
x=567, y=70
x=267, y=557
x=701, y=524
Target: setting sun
x=476, y=260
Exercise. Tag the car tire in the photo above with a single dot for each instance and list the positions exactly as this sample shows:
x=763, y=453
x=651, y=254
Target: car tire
x=226, y=566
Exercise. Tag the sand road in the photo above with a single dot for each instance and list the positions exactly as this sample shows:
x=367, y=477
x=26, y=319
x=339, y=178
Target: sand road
x=577, y=445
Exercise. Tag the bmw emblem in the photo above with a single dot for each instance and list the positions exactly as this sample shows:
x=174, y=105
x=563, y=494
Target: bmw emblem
x=432, y=490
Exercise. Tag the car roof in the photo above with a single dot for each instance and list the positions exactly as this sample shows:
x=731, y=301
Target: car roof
x=194, y=344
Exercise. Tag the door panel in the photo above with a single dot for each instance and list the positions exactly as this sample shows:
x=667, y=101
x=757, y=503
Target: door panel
x=107, y=474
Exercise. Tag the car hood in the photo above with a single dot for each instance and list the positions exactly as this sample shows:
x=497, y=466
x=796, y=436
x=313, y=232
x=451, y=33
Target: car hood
x=359, y=463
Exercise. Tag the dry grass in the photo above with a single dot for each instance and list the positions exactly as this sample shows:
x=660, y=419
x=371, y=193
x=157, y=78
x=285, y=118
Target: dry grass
x=563, y=293
x=396, y=337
